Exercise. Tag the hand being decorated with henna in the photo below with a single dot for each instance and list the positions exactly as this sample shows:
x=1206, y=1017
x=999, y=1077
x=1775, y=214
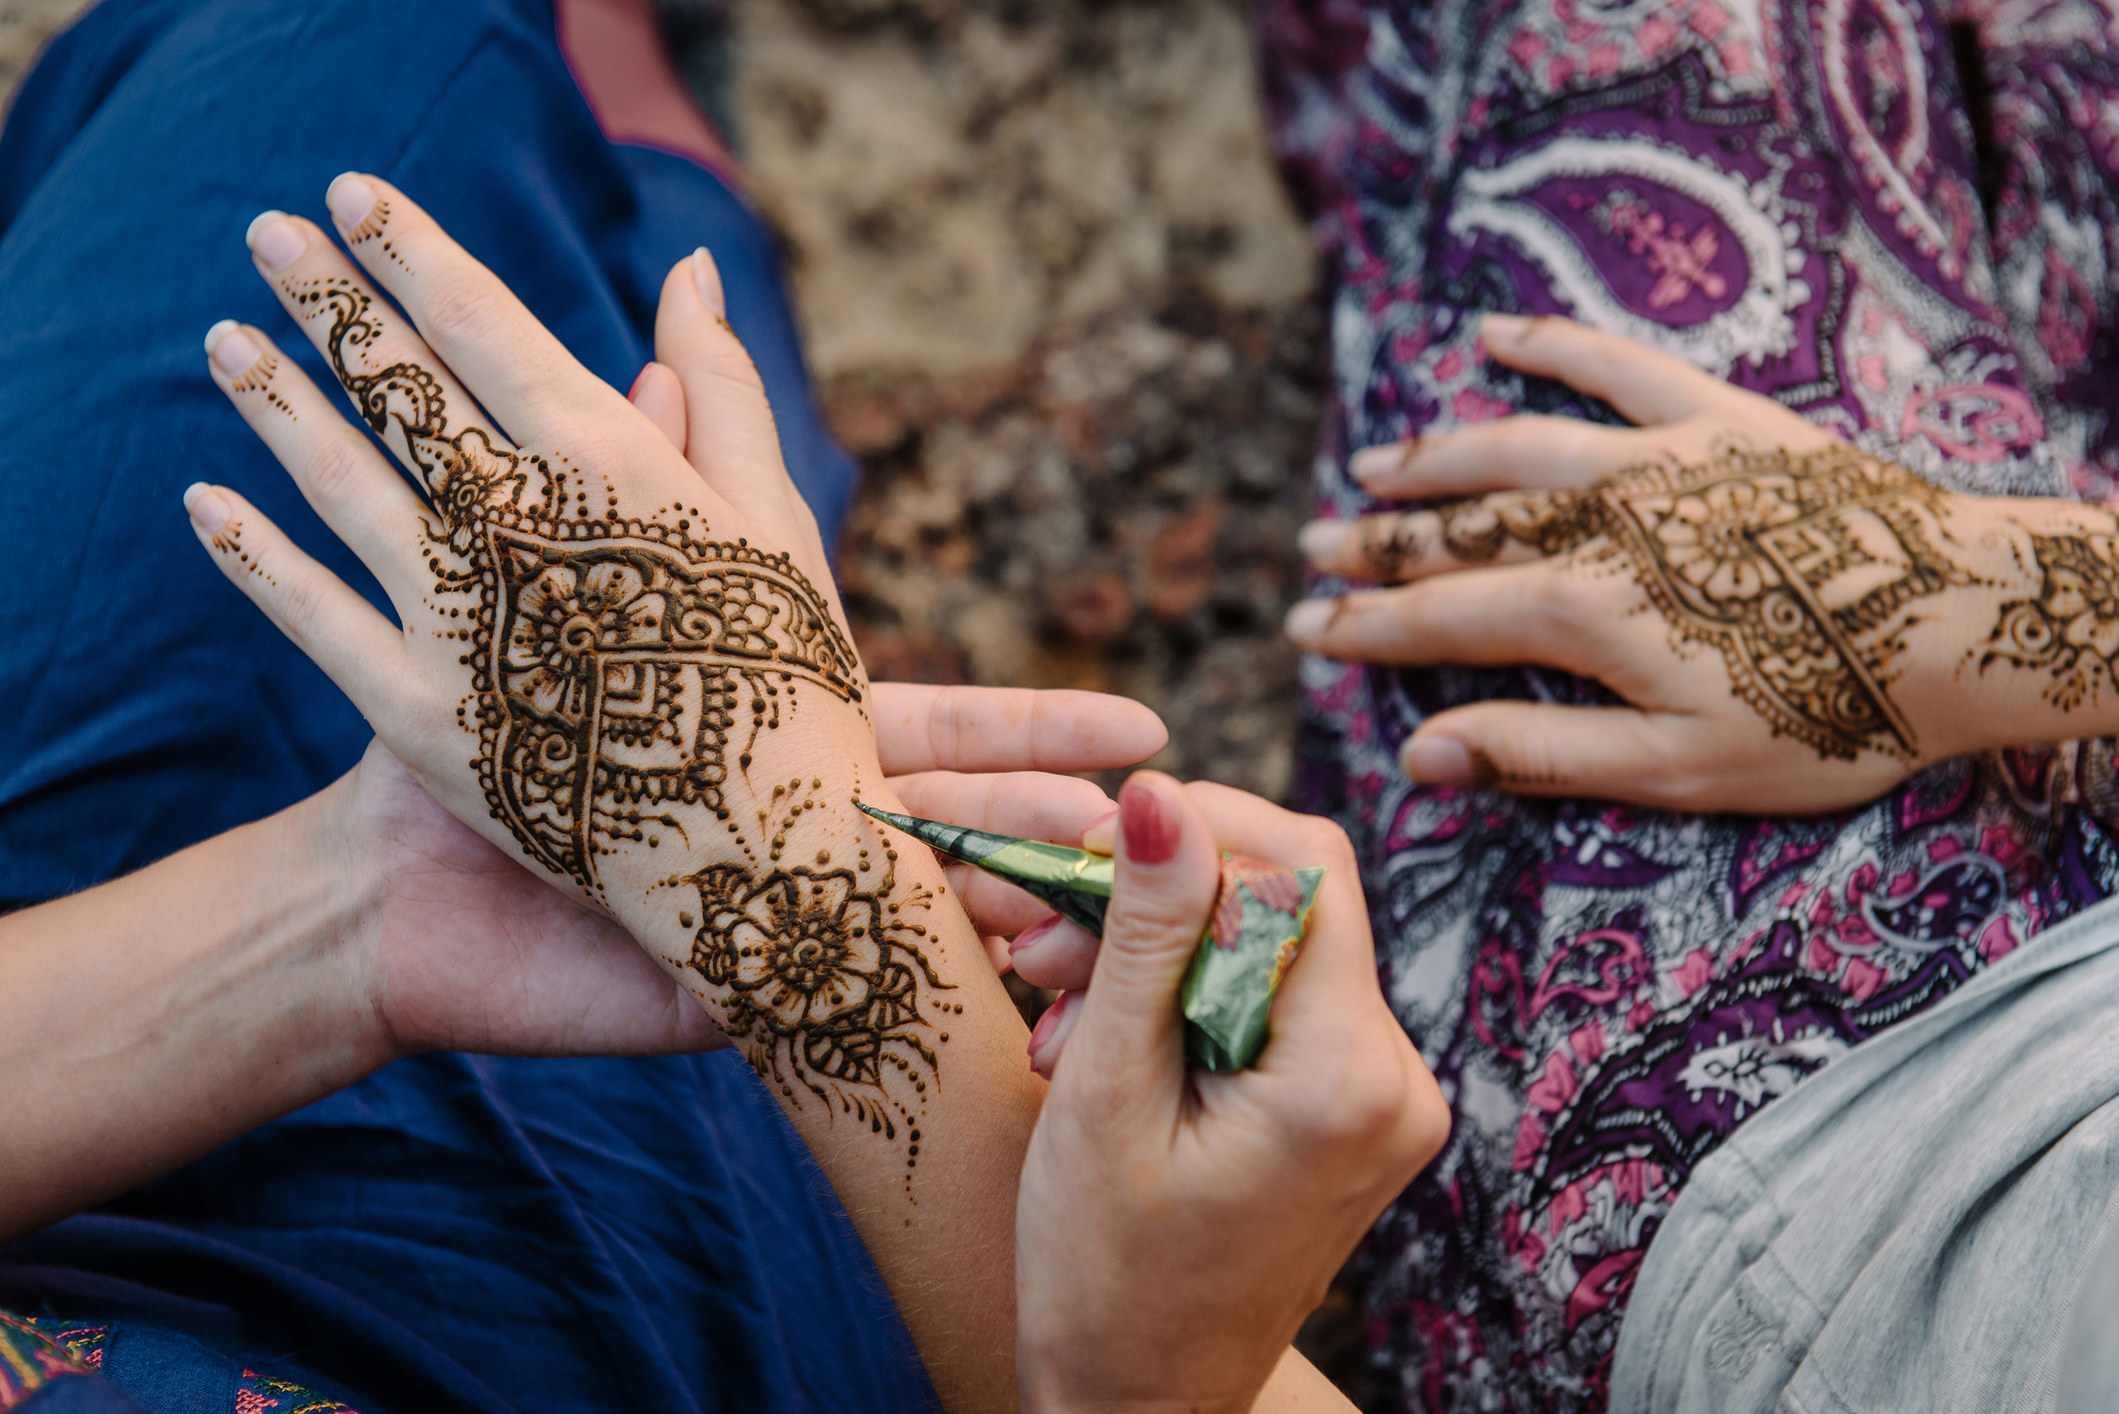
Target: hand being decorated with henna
x=620, y=660
x=1794, y=625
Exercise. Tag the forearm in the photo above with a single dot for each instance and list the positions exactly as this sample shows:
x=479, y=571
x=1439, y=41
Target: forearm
x=831, y=952
x=148, y=1020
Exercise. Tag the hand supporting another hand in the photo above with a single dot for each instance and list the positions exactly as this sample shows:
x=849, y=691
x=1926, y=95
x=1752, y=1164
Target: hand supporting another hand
x=1174, y=1228
x=1794, y=625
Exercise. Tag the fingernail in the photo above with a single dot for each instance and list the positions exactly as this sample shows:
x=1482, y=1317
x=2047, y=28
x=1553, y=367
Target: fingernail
x=1146, y=824
x=231, y=350
x=1307, y=620
x=350, y=199
x=276, y=241
x=1051, y=1031
x=706, y=279
x=1371, y=462
x=1101, y=835
x=1322, y=539
x=1507, y=328
x=208, y=508
x=1029, y=937
x=632, y=394
x=1437, y=761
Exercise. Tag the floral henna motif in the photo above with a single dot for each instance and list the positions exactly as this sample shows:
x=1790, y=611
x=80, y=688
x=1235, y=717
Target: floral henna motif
x=1799, y=570
x=823, y=977
x=2069, y=628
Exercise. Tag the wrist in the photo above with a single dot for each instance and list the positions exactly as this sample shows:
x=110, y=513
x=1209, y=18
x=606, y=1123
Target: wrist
x=331, y=859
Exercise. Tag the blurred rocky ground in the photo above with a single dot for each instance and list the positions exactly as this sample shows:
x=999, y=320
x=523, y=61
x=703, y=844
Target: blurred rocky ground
x=24, y=26
x=1058, y=305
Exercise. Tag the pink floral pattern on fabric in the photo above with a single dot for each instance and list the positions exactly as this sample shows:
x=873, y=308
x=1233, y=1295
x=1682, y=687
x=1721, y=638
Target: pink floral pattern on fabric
x=1792, y=197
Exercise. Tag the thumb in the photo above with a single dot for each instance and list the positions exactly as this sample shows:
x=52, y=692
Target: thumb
x=1616, y=753
x=730, y=436
x=1167, y=877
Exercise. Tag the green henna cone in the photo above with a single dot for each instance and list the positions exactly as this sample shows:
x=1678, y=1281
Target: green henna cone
x=1076, y=883
x=1253, y=937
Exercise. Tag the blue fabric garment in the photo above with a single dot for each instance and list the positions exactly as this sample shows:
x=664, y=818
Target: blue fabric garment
x=80, y=1394
x=458, y=1232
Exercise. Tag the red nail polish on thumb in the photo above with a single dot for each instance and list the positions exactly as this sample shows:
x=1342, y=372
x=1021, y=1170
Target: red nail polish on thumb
x=1147, y=823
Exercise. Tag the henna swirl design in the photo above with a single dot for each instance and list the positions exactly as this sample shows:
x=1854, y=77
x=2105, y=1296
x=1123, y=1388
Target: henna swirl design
x=623, y=672
x=2069, y=627
x=1800, y=570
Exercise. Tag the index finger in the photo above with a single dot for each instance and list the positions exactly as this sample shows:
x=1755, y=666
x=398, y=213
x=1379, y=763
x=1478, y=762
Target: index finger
x=1645, y=385
x=474, y=323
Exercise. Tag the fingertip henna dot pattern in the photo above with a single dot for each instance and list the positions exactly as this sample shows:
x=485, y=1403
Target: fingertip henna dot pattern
x=371, y=227
x=258, y=379
x=616, y=665
x=228, y=541
x=1800, y=570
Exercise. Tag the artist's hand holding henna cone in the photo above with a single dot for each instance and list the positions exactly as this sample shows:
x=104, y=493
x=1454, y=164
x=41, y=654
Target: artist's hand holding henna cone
x=1175, y=1226
x=1794, y=625
x=620, y=660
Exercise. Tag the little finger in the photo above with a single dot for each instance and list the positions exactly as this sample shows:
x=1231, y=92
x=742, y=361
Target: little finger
x=1645, y=385
x=1608, y=753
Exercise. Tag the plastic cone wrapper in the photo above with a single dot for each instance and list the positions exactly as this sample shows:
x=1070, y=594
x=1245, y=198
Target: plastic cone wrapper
x=1251, y=938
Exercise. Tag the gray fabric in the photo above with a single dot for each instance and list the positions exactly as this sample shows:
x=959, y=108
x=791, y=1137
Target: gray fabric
x=1908, y=1228
x=2089, y=1359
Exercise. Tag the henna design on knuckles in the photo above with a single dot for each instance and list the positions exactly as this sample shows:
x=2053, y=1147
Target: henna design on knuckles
x=623, y=670
x=1802, y=571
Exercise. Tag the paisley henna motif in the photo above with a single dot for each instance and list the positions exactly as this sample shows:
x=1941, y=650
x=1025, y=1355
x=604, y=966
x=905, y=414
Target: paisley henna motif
x=1801, y=571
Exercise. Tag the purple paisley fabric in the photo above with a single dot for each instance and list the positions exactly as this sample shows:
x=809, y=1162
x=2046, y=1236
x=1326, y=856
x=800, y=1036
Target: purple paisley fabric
x=1794, y=196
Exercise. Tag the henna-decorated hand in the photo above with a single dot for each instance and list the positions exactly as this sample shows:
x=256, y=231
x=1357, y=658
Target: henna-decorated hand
x=1794, y=625
x=1174, y=1227
x=621, y=658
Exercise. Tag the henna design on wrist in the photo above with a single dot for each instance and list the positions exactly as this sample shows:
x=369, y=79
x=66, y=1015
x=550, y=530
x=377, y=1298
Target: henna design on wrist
x=822, y=972
x=2069, y=626
x=1802, y=571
